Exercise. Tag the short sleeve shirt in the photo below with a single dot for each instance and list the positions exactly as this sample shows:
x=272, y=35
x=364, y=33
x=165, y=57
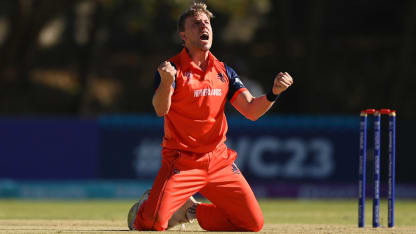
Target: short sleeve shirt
x=196, y=121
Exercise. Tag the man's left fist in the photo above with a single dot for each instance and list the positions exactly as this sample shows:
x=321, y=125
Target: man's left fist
x=281, y=82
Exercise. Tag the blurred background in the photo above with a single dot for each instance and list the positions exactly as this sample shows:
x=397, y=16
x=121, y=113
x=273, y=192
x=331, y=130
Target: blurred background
x=76, y=82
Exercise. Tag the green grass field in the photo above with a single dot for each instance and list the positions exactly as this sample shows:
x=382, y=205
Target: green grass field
x=281, y=216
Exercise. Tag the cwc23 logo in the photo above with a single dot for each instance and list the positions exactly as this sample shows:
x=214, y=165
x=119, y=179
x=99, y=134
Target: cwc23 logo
x=293, y=158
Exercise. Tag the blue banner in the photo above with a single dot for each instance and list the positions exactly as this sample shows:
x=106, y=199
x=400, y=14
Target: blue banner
x=284, y=149
x=290, y=148
x=48, y=148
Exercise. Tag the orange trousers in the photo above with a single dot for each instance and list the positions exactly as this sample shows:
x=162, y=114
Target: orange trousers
x=215, y=176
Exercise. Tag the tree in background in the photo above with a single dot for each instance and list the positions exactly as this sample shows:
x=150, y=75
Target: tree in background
x=99, y=56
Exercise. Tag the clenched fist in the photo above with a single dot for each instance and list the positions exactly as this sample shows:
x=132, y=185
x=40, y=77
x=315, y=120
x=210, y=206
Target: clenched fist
x=167, y=72
x=281, y=82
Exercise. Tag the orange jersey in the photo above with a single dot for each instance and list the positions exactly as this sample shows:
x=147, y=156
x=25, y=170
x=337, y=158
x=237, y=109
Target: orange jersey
x=196, y=120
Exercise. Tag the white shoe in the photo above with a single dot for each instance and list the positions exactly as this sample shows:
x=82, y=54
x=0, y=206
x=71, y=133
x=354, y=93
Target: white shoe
x=185, y=214
x=135, y=208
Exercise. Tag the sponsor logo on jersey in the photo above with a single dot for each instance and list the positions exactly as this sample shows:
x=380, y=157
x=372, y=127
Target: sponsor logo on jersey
x=207, y=92
x=188, y=76
x=221, y=77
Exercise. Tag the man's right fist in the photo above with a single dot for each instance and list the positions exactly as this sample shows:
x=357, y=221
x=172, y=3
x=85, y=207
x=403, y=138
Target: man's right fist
x=167, y=72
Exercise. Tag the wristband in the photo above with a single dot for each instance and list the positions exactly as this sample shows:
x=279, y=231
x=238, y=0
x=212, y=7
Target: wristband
x=271, y=96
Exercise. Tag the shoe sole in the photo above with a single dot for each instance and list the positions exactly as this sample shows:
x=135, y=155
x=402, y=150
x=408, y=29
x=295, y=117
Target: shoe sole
x=134, y=209
x=175, y=221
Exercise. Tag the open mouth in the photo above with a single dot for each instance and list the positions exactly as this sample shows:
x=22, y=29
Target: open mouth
x=204, y=37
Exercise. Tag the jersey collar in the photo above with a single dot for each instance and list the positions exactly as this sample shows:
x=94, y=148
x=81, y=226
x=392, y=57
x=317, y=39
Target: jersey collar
x=187, y=62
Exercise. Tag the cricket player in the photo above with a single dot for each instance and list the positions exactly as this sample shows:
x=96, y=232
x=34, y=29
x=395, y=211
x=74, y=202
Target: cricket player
x=192, y=89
